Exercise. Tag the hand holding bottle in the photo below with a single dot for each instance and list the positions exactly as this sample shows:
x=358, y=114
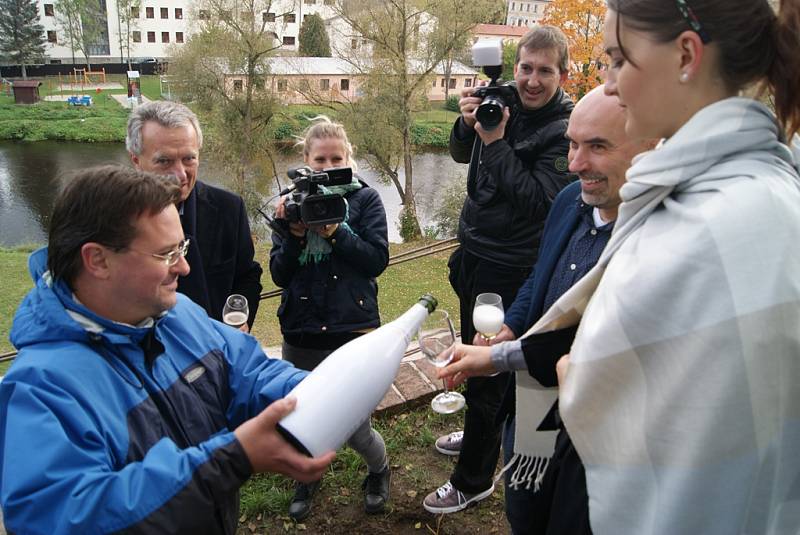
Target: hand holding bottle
x=269, y=452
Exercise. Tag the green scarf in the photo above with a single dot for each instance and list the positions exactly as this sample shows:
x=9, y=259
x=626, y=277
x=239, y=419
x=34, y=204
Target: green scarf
x=317, y=248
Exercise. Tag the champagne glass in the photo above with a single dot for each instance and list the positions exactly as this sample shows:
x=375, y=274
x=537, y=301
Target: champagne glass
x=436, y=339
x=488, y=315
x=235, y=311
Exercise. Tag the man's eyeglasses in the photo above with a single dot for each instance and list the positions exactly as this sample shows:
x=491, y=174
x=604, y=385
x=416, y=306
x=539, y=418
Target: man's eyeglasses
x=171, y=258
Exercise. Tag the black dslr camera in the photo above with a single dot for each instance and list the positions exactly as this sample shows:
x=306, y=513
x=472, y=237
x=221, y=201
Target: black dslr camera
x=306, y=204
x=489, y=55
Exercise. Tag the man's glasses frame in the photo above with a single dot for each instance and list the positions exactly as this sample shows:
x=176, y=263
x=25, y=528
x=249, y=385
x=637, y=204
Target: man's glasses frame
x=171, y=258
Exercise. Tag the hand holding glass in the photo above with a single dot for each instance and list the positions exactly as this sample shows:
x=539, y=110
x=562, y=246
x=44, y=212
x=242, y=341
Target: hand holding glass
x=235, y=311
x=488, y=315
x=436, y=339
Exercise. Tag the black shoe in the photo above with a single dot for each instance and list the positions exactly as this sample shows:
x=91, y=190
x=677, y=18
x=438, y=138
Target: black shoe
x=376, y=491
x=301, y=502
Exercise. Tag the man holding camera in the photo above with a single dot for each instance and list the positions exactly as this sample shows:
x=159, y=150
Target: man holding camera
x=165, y=138
x=516, y=170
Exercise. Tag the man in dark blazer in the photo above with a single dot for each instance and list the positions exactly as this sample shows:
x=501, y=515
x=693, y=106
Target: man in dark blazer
x=553, y=500
x=165, y=138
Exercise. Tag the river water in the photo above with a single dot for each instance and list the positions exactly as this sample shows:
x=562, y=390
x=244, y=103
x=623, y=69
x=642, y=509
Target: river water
x=31, y=174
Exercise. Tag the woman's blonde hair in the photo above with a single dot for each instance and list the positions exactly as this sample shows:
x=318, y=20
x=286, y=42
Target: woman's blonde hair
x=322, y=127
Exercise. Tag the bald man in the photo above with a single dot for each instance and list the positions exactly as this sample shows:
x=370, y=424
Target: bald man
x=545, y=482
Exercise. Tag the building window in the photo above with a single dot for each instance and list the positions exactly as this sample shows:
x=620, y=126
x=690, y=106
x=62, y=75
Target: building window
x=55, y=62
x=151, y=37
x=237, y=86
x=288, y=40
x=468, y=82
x=324, y=84
x=51, y=36
x=309, y=1
x=452, y=83
x=164, y=13
x=282, y=86
x=291, y=17
x=178, y=37
x=165, y=37
x=178, y=13
x=513, y=6
x=268, y=17
x=137, y=36
x=134, y=12
x=344, y=84
x=327, y=2
x=353, y=44
x=535, y=8
x=305, y=17
x=441, y=82
x=149, y=13
x=202, y=14
x=48, y=10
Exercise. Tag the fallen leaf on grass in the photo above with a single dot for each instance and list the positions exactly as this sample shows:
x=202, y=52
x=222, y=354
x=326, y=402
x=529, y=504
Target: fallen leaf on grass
x=418, y=525
x=242, y=519
x=411, y=493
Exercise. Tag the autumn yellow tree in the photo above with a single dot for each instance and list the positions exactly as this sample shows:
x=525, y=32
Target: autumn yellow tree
x=582, y=22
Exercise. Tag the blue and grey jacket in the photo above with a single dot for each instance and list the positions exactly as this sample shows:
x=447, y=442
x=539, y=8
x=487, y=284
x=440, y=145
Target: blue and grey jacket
x=106, y=427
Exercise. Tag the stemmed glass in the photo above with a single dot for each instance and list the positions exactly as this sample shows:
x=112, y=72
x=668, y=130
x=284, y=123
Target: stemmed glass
x=235, y=311
x=436, y=338
x=488, y=315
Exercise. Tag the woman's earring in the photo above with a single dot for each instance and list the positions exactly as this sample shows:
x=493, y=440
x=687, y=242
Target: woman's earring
x=684, y=77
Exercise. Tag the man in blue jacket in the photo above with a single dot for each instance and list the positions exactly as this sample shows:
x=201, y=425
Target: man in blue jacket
x=128, y=408
x=165, y=138
x=545, y=482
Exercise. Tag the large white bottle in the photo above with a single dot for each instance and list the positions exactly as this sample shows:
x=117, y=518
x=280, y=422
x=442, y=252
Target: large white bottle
x=346, y=387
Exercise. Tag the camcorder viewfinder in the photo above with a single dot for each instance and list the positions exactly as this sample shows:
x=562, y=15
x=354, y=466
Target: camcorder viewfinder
x=307, y=204
x=488, y=53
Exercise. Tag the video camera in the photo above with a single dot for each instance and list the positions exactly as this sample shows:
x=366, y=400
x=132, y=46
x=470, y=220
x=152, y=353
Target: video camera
x=306, y=204
x=488, y=53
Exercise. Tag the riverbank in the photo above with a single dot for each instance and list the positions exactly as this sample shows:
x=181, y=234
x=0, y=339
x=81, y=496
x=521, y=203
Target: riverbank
x=105, y=121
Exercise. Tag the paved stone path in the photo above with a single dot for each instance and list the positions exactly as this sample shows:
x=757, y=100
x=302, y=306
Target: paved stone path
x=414, y=385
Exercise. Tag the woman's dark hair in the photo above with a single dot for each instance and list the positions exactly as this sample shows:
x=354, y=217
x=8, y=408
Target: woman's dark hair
x=755, y=45
x=101, y=204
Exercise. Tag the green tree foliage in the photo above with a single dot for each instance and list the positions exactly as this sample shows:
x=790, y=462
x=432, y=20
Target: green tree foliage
x=83, y=22
x=314, y=40
x=408, y=41
x=509, y=58
x=21, y=35
x=223, y=69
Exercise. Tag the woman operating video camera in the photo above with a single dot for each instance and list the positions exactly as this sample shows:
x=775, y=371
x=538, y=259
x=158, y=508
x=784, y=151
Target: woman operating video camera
x=330, y=295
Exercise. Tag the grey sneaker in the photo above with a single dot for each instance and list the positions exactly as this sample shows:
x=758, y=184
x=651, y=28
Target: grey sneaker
x=450, y=444
x=448, y=499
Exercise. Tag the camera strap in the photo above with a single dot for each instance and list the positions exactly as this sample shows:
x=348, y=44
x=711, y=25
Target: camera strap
x=474, y=162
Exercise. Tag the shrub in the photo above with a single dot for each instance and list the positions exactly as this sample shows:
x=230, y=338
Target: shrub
x=452, y=103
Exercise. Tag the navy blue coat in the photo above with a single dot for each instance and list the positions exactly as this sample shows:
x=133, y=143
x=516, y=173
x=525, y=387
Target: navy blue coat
x=561, y=223
x=542, y=351
x=340, y=294
x=221, y=253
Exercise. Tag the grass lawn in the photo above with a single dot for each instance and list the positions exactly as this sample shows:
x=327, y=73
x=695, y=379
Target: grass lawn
x=399, y=287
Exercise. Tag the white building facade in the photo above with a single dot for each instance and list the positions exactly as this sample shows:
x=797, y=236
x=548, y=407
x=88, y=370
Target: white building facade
x=155, y=25
x=525, y=12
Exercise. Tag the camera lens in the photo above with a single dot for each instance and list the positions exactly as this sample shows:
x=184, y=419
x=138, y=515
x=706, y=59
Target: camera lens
x=490, y=112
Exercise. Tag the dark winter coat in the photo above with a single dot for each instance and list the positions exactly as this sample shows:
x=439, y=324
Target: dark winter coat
x=518, y=177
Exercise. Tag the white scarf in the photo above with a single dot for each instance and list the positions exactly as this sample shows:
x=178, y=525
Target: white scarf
x=683, y=393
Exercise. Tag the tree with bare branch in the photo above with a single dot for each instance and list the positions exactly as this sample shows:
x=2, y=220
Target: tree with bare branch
x=406, y=41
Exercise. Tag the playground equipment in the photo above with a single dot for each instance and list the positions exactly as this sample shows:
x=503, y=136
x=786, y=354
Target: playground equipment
x=84, y=76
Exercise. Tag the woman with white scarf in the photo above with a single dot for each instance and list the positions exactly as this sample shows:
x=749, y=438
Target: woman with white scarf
x=682, y=389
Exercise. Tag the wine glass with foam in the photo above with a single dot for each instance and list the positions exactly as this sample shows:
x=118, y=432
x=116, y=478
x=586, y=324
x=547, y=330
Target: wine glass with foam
x=235, y=311
x=488, y=315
